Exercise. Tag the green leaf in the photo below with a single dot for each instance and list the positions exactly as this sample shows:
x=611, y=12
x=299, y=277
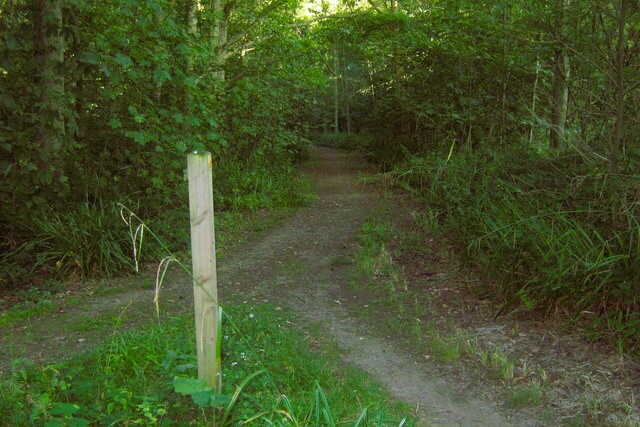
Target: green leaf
x=89, y=58
x=209, y=399
x=161, y=76
x=105, y=70
x=115, y=124
x=185, y=366
x=187, y=386
x=220, y=400
x=123, y=60
x=203, y=398
x=64, y=409
x=138, y=136
x=67, y=422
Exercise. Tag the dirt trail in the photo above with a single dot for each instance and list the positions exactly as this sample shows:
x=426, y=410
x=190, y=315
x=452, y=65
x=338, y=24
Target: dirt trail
x=295, y=266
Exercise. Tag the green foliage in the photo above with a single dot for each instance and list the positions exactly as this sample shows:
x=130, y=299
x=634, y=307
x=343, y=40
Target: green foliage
x=140, y=91
x=548, y=231
x=131, y=380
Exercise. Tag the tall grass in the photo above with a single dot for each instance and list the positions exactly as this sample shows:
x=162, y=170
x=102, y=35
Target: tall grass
x=89, y=239
x=550, y=233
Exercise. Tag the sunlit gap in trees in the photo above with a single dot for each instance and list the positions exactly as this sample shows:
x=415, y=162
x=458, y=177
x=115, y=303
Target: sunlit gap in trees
x=315, y=8
x=312, y=8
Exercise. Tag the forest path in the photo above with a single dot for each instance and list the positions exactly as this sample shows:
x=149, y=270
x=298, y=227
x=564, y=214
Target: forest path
x=296, y=266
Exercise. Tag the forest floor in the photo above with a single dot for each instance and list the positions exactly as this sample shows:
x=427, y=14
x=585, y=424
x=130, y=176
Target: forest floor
x=305, y=265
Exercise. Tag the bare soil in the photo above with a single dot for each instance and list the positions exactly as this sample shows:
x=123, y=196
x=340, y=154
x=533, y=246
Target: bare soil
x=297, y=266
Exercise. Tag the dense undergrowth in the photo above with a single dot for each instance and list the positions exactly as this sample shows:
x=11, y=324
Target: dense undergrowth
x=131, y=380
x=551, y=233
x=93, y=240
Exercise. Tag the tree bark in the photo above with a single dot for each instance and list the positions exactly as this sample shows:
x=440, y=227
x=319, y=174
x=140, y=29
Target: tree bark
x=336, y=89
x=534, y=100
x=561, y=76
x=49, y=79
x=221, y=12
x=158, y=17
x=617, y=143
x=192, y=30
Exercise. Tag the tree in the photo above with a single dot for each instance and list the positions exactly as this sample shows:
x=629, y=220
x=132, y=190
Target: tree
x=49, y=80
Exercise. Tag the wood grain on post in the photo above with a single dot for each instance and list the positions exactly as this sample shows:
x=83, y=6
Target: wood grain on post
x=205, y=291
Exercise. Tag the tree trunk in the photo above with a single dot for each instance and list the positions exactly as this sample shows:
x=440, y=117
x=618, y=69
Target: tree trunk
x=49, y=78
x=158, y=17
x=192, y=30
x=219, y=36
x=336, y=90
x=617, y=143
x=561, y=75
x=534, y=100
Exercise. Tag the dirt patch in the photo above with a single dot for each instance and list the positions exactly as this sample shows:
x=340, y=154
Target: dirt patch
x=295, y=266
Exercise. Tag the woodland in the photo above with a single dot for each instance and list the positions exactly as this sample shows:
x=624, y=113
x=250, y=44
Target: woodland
x=515, y=121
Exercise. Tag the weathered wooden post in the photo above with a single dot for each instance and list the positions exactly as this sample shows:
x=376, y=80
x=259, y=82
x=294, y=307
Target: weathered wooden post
x=203, y=252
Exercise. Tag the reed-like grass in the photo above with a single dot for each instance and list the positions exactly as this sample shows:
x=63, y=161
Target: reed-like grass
x=551, y=234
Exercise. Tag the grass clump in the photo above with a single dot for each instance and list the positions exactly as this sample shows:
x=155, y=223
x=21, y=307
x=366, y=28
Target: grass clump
x=526, y=396
x=130, y=381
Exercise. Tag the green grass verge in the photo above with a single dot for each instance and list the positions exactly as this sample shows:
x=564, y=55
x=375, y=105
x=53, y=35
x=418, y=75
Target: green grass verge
x=130, y=380
x=388, y=289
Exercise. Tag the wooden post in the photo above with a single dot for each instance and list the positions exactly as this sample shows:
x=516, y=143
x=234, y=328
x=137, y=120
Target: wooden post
x=203, y=253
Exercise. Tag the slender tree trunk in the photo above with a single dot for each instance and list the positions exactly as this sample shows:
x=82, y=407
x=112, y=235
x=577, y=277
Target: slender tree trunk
x=347, y=113
x=158, y=17
x=561, y=75
x=219, y=36
x=192, y=29
x=49, y=60
x=505, y=82
x=617, y=143
x=402, y=122
x=534, y=100
x=336, y=90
